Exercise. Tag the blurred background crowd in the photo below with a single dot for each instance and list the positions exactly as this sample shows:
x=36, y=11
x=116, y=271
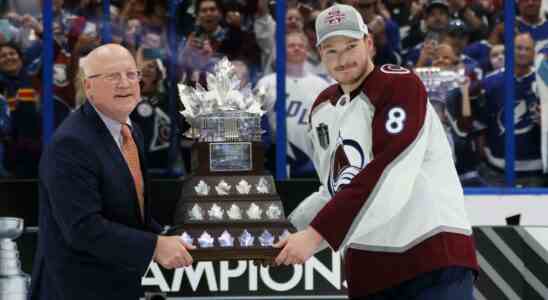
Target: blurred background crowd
x=465, y=37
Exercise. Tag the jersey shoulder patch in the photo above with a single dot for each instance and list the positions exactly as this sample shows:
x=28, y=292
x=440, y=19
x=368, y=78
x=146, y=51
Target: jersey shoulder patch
x=394, y=69
x=399, y=84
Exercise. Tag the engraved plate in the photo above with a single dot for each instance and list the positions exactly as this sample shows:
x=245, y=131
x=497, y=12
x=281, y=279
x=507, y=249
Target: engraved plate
x=230, y=157
x=254, y=212
x=215, y=212
x=262, y=186
x=234, y=213
x=273, y=212
x=226, y=240
x=185, y=237
x=223, y=188
x=266, y=239
x=243, y=187
x=246, y=239
x=206, y=240
x=196, y=213
x=202, y=188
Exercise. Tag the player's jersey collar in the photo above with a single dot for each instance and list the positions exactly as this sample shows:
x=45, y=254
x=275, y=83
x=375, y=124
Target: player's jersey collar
x=360, y=88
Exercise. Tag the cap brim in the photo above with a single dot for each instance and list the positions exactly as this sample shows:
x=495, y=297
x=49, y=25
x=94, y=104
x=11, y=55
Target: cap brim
x=349, y=33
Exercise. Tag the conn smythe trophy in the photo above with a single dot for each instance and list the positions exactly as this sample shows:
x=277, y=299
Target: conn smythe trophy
x=229, y=208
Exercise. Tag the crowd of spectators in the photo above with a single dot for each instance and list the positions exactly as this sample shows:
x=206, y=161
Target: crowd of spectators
x=461, y=35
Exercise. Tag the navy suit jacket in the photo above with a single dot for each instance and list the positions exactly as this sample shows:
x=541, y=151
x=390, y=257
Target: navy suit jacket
x=92, y=241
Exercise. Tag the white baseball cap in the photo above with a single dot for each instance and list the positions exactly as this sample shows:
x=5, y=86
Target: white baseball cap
x=339, y=19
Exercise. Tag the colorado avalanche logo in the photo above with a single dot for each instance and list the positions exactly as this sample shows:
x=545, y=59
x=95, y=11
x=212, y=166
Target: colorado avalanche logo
x=347, y=161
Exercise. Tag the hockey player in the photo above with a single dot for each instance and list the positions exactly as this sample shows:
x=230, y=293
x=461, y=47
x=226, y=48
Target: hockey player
x=302, y=88
x=390, y=198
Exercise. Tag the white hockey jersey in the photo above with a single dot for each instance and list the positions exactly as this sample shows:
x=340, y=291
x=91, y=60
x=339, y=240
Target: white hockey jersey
x=390, y=196
x=300, y=95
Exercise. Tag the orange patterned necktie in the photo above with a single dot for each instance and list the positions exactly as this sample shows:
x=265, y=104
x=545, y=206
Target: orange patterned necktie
x=131, y=154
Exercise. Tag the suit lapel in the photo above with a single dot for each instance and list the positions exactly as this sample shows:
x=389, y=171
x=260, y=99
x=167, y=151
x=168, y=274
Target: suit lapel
x=115, y=153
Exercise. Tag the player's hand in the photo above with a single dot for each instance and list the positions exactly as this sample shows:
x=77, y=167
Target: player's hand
x=298, y=247
x=171, y=252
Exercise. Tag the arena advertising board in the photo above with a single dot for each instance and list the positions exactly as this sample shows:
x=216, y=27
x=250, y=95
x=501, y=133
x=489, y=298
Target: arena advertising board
x=318, y=278
x=499, y=247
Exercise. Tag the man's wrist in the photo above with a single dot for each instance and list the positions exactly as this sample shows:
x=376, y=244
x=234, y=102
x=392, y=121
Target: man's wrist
x=158, y=237
x=315, y=235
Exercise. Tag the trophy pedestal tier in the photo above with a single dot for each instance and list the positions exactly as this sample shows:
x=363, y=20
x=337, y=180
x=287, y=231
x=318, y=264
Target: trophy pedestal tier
x=231, y=217
x=228, y=241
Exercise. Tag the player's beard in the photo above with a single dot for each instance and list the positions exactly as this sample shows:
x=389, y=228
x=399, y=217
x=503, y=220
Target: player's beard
x=356, y=79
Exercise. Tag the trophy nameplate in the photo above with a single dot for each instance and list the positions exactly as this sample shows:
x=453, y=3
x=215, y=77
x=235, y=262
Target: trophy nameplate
x=230, y=157
x=229, y=207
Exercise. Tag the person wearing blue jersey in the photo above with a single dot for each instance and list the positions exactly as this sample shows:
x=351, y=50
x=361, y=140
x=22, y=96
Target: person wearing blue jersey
x=528, y=164
x=481, y=50
x=458, y=36
x=529, y=20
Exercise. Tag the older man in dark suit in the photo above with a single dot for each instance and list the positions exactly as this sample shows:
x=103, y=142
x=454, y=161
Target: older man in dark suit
x=97, y=236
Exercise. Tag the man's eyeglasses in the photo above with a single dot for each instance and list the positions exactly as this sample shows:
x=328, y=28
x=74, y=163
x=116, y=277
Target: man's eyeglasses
x=117, y=76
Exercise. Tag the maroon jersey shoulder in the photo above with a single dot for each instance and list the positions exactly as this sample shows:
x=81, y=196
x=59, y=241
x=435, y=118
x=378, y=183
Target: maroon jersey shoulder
x=388, y=81
x=331, y=93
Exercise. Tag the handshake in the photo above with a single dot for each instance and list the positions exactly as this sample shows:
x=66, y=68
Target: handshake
x=171, y=252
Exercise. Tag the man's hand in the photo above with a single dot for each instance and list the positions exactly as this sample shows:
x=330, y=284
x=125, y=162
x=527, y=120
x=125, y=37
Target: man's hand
x=233, y=19
x=31, y=22
x=428, y=53
x=298, y=247
x=171, y=252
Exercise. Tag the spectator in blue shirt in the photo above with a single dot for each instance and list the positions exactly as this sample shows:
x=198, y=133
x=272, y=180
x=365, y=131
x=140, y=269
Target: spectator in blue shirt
x=529, y=20
x=528, y=163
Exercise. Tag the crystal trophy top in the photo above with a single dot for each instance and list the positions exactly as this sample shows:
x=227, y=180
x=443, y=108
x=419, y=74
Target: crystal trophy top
x=225, y=123
x=229, y=207
x=223, y=112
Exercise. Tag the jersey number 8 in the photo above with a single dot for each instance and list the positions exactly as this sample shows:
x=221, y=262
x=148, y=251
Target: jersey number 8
x=396, y=117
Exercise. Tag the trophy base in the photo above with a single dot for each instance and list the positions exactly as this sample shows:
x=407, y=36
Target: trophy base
x=264, y=256
x=215, y=252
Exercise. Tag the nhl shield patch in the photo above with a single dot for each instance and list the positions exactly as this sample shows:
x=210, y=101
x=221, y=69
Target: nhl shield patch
x=323, y=135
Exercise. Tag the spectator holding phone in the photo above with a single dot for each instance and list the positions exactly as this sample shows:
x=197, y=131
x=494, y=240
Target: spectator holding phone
x=213, y=39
